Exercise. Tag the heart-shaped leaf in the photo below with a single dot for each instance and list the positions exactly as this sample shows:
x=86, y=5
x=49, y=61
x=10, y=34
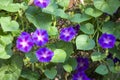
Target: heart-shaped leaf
x=97, y=56
x=108, y=6
x=83, y=42
x=93, y=12
x=78, y=18
x=102, y=69
x=8, y=25
x=87, y=28
x=59, y=56
x=50, y=73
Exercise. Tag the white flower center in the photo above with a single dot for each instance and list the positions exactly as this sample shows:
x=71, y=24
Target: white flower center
x=44, y=55
x=80, y=78
x=66, y=33
x=40, y=38
x=24, y=43
x=107, y=40
x=41, y=1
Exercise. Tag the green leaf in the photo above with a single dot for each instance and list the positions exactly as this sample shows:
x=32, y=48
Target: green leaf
x=63, y=3
x=32, y=57
x=6, y=39
x=39, y=19
x=9, y=6
x=10, y=69
x=52, y=30
x=102, y=69
x=93, y=12
x=83, y=42
x=71, y=63
x=54, y=10
x=5, y=51
x=67, y=67
x=59, y=56
x=8, y=25
x=78, y=18
x=30, y=75
x=87, y=28
x=5, y=2
x=107, y=6
x=97, y=56
x=66, y=46
x=112, y=28
x=50, y=73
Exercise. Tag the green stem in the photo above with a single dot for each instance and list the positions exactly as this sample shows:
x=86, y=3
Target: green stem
x=33, y=67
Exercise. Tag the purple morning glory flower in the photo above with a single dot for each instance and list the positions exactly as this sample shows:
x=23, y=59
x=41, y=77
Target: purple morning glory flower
x=40, y=37
x=24, y=42
x=77, y=28
x=107, y=40
x=44, y=54
x=80, y=76
x=42, y=3
x=67, y=34
x=82, y=64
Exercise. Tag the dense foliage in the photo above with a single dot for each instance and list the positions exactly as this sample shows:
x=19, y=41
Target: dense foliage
x=59, y=39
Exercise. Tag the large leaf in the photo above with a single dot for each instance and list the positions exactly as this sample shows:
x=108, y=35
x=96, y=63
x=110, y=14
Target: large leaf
x=83, y=42
x=54, y=10
x=51, y=73
x=59, y=56
x=30, y=75
x=8, y=25
x=101, y=69
x=107, y=6
x=78, y=18
x=5, y=51
x=11, y=69
x=93, y=12
x=112, y=28
x=39, y=19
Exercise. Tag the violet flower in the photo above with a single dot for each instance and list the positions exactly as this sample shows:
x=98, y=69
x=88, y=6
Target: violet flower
x=40, y=37
x=44, y=54
x=82, y=64
x=77, y=28
x=24, y=42
x=80, y=76
x=107, y=40
x=67, y=34
x=42, y=3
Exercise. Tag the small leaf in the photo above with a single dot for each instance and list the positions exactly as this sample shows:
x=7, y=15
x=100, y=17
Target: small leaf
x=32, y=57
x=78, y=18
x=50, y=73
x=52, y=30
x=97, y=56
x=87, y=28
x=93, y=12
x=63, y=3
x=102, y=69
x=83, y=42
x=67, y=67
x=8, y=25
x=59, y=56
